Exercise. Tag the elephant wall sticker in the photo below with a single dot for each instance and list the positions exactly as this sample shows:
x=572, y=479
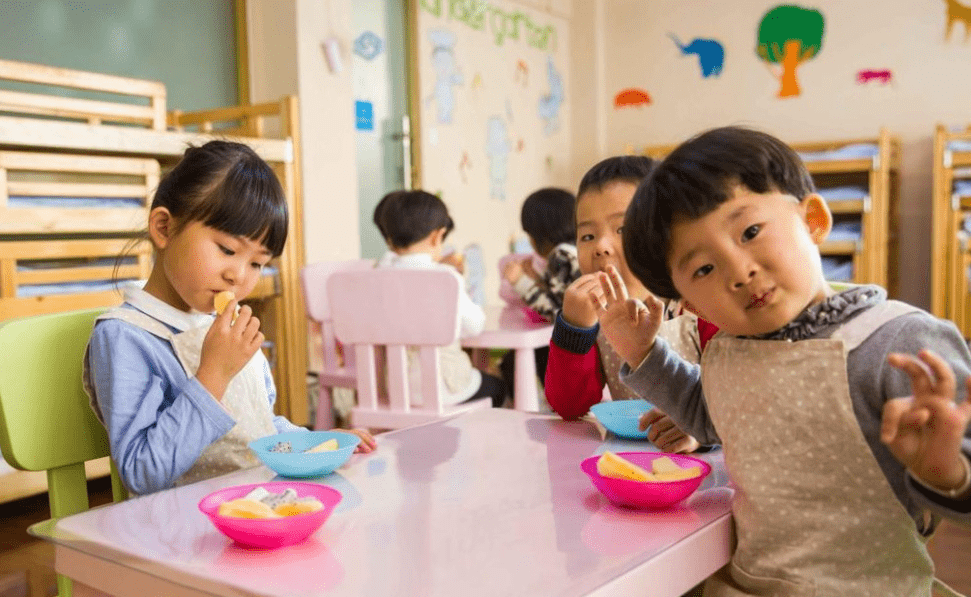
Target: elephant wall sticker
x=710, y=53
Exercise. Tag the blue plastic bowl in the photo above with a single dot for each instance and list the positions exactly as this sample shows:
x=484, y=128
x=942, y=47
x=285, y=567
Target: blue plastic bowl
x=297, y=463
x=620, y=417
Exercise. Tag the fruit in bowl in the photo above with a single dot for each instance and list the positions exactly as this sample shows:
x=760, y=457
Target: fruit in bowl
x=651, y=480
x=621, y=417
x=305, y=453
x=270, y=515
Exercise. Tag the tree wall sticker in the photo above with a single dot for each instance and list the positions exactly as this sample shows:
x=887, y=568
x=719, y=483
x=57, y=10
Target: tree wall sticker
x=788, y=36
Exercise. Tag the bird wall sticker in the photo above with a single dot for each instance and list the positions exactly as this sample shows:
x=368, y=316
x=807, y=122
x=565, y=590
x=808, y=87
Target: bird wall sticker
x=711, y=54
x=788, y=36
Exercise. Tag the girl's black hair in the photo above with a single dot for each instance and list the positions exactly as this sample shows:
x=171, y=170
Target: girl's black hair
x=547, y=217
x=227, y=186
x=406, y=217
x=692, y=181
x=626, y=168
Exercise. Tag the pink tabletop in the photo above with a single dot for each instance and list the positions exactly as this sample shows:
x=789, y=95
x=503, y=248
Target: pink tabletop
x=488, y=503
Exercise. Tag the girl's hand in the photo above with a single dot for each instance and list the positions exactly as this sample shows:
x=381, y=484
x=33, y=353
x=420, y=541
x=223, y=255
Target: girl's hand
x=664, y=434
x=227, y=348
x=628, y=324
x=581, y=301
x=527, y=265
x=924, y=431
x=368, y=443
x=456, y=260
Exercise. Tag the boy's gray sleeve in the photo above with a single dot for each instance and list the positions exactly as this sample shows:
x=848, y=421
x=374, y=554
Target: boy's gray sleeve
x=673, y=385
x=910, y=334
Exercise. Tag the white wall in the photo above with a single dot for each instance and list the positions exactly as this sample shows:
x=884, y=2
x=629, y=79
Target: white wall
x=931, y=85
x=286, y=57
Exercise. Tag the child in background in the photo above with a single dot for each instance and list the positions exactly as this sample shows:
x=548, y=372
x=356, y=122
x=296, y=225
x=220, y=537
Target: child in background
x=838, y=440
x=547, y=217
x=414, y=225
x=182, y=393
x=581, y=361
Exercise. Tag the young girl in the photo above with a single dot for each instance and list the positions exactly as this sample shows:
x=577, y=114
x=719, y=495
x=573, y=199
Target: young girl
x=180, y=392
x=581, y=361
x=414, y=225
x=837, y=440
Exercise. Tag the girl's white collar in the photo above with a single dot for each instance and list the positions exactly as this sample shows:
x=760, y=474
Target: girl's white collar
x=164, y=312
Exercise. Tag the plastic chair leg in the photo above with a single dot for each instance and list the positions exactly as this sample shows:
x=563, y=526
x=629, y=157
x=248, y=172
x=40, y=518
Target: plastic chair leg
x=325, y=410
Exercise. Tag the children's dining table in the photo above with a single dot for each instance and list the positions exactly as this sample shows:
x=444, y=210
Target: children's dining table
x=491, y=503
x=509, y=327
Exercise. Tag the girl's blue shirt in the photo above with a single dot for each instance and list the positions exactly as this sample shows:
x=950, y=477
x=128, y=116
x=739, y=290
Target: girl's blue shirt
x=158, y=418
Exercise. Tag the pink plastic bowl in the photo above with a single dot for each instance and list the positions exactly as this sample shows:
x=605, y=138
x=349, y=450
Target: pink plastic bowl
x=646, y=494
x=274, y=532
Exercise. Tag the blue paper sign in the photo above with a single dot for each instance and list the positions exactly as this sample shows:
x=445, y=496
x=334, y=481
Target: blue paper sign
x=364, y=115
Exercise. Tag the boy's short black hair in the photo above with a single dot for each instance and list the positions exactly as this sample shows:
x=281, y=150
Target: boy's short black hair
x=692, y=181
x=406, y=217
x=547, y=217
x=627, y=168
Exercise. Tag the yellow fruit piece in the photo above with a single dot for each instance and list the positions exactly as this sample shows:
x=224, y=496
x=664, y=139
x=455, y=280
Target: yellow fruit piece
x=327, y=446
x=295, y=508
x=221, y=300
x=243, y=508
x=612, y=465
x=665, y=469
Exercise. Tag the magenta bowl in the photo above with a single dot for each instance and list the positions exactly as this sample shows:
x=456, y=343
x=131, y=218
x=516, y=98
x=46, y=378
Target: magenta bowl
x=274, y=532
x=646, y=494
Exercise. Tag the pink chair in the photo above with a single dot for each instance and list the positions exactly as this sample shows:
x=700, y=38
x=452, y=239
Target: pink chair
x=398, y=309
x=333, y=373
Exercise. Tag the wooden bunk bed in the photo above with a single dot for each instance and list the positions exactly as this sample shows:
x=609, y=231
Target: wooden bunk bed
x=76, y=179
x=859, y=179
x=951, y=238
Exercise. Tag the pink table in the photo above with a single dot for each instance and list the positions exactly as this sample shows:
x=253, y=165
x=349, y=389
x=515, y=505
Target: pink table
x=488, y=503
x=508, y=327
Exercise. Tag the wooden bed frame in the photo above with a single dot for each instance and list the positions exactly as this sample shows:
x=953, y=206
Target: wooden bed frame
x=950, y=250
x=875, y=253
x=92, y=147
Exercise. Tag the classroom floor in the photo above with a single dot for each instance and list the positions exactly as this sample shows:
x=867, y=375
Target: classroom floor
x=26, y=564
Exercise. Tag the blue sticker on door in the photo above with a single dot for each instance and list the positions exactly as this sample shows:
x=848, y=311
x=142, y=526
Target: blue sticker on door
x=364, y=115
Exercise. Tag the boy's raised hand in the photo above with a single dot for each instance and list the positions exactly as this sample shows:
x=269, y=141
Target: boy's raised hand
x=630, y=325
x=228, y=346
x=582, y=300
x=924, y=431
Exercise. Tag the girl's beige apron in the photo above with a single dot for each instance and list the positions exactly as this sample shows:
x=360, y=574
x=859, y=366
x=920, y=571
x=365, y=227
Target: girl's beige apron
x=814, y=513
x=246, y=399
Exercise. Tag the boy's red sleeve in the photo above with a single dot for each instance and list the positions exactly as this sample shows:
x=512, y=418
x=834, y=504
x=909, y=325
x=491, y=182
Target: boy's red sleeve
x=574, y=382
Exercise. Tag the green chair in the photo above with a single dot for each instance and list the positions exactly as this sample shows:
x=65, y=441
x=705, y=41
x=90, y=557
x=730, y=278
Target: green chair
x=46, y=422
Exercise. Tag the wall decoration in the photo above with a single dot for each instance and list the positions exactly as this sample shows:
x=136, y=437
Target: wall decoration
x=957, y=12
x=464, y=165
x=364, y=115
x=368, y=45
x=549, y=104
x=711, y=54
x=789, y=35
x=883, y=76
x=522, y=72
x=446, y=72
x=502, y=24
x=497, y=150
x=632, y=96
x=476, y=81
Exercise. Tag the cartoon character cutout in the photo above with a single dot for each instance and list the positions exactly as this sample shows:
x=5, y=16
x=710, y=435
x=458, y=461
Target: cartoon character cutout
x=549, y=104
x=446, y=72
x=497, y=150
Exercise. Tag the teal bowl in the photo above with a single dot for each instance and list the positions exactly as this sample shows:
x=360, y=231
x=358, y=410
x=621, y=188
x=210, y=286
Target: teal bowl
x=620, y=417
x=299, y=464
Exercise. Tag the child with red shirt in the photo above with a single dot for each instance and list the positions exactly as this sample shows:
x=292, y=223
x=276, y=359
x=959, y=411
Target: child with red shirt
x=581, y=362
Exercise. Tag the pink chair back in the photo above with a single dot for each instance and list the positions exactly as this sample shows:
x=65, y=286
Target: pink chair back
x=335, y=371
x=394, y=310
